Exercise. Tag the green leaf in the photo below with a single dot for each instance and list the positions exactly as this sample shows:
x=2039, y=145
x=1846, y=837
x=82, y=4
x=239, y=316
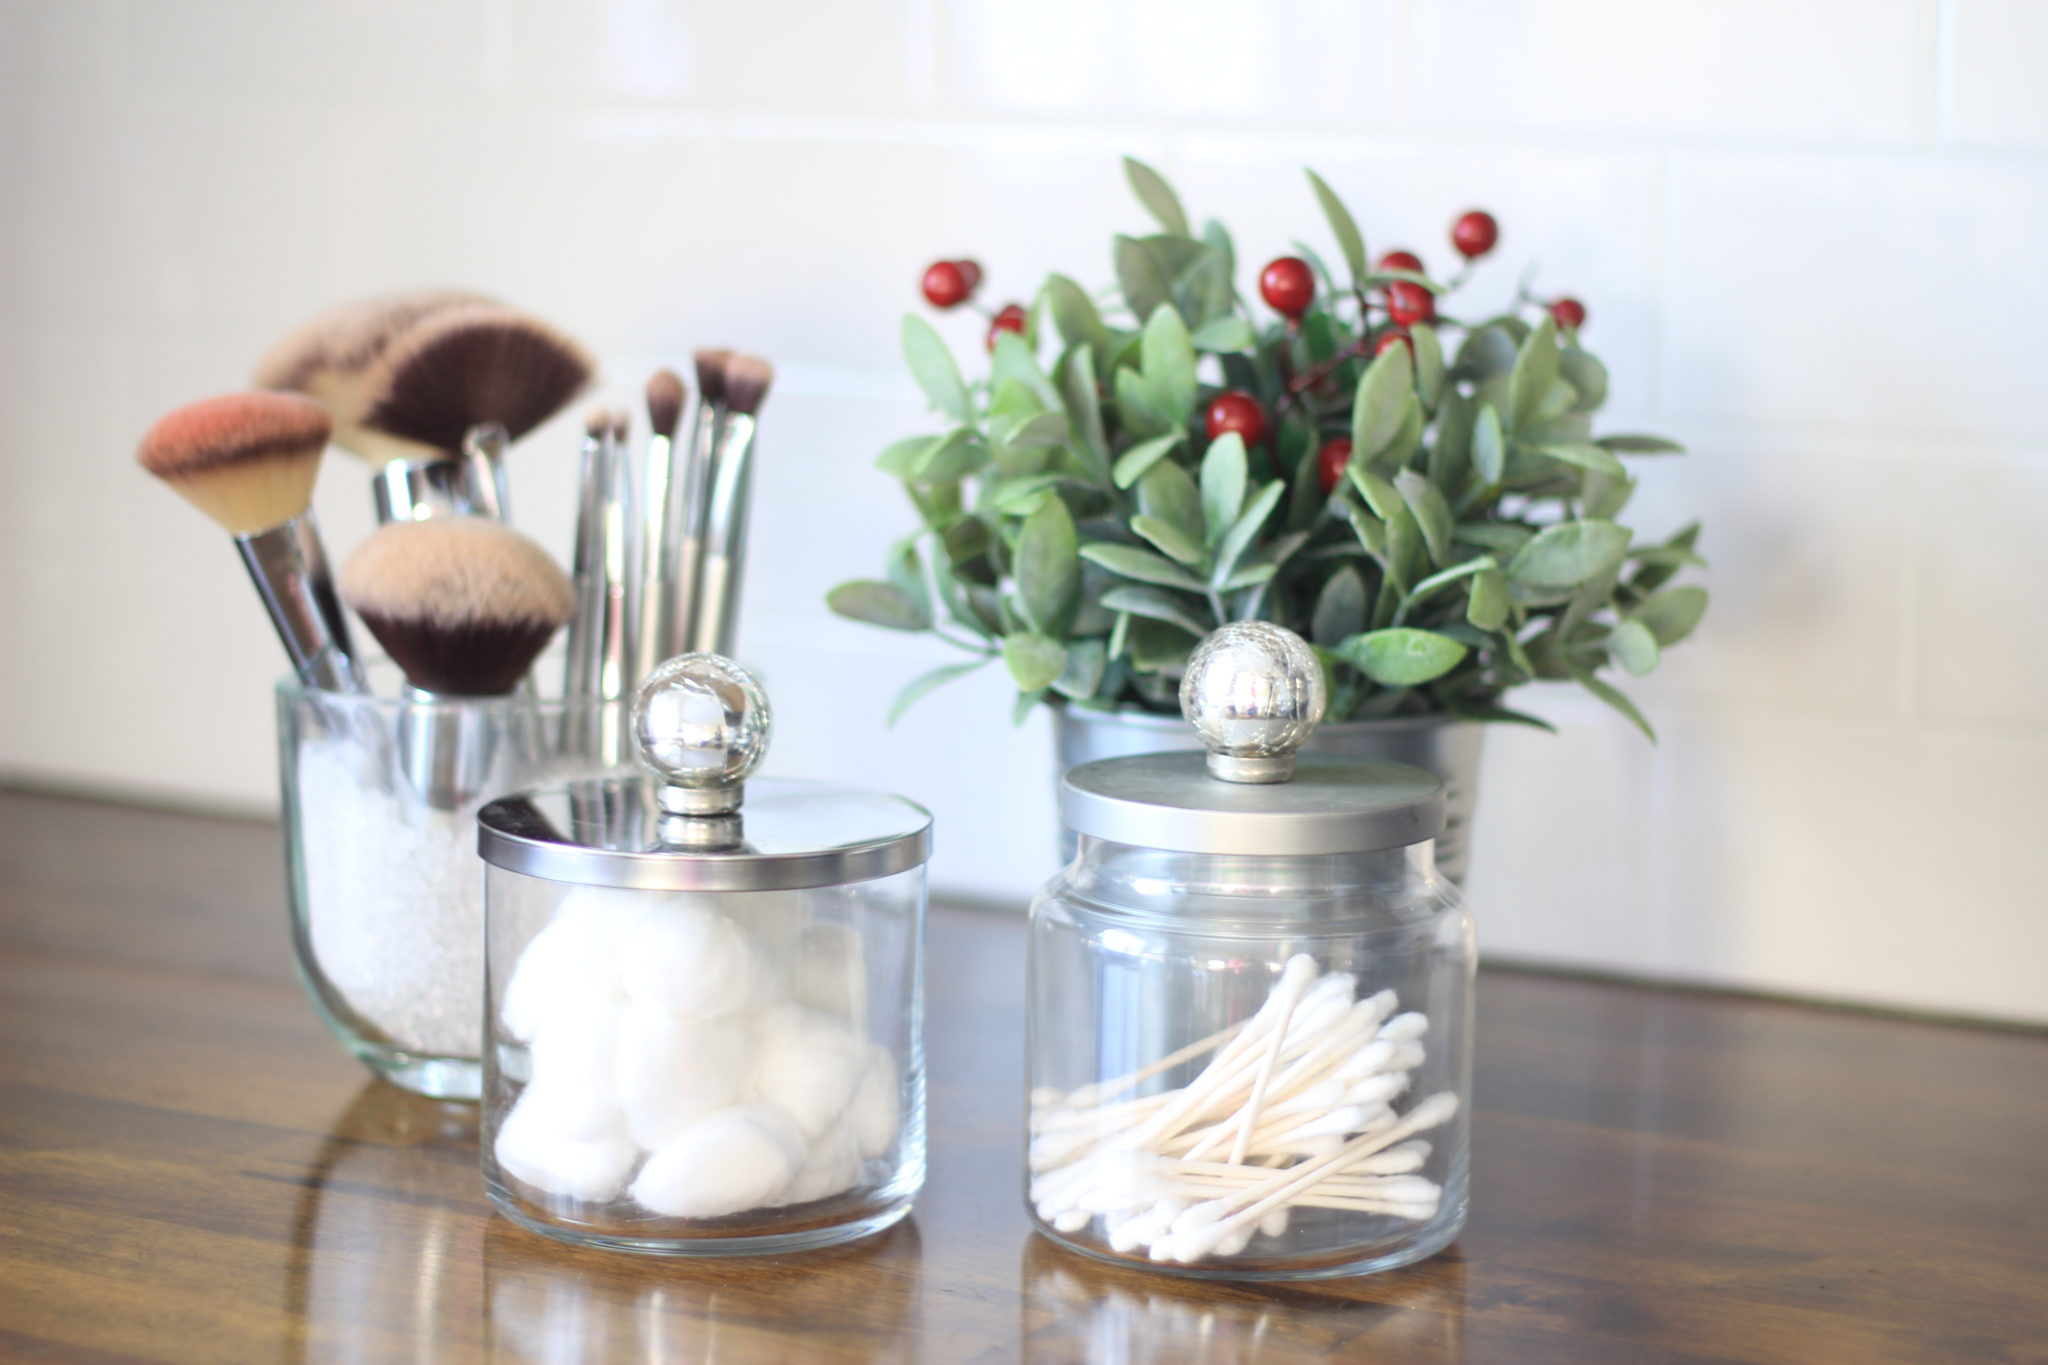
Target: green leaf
x=930, y=682
x=1170, y=538
x=1223, y=477
x=1225, y=335
x=1587, y=376
x=1402, y=657
x=1566, y=555
x=1157, y=196
x=1167, y=493
x=1034, y=661
x=1245, y=528
x=1131, y=562
x=1671, y=615
x=878, y=604
x=1086, y=660
x=903, y=458
x=1013, y=359
x=1483, y=564
x=1026, y=703
x=1340, y=608
x=1168, y=359
x=1148, y=268
x=1382, y=402
x=1641, y=445
x=1585, y=456
x=931, y=364
x=1432, y=513
x=1371, y=531
x=1139, y=408
x=961, y=453
x=1503, y=716
x=1048, y=566
x=1202, y=289
x=1022, y=497
x=1157, y=645
x=1342, y=226
x=1615, y=699
x=1429, y=362
x=1634, y=647
x=1487, y=608
x=1218, y=237
x=1132, y=464
x=1535, y=371
x=1084, y=410
x=1156, y=605
x=1073, y=313
x=1486, y=354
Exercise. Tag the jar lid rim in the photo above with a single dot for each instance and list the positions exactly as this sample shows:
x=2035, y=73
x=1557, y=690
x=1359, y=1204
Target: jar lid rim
x=1333, y=805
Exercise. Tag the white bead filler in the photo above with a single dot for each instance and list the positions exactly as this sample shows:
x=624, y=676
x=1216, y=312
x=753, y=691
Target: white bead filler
x=701, y=1067
x=1295, y=1110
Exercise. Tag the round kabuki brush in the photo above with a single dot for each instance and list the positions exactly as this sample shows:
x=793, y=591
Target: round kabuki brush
x=462, y=605
x=248, y=460
x=467, y=381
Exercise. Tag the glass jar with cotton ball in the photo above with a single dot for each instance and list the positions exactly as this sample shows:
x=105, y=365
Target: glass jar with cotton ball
x=1250, y=997
x=705, y=992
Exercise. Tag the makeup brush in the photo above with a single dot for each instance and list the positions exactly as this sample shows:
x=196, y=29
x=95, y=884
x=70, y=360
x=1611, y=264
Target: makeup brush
x=716, y=617
x=696, y=497
x=248, y=460
x=466, y=367
x=462, y=605
x=662, y=524
x=616, y=565
x=580, y=675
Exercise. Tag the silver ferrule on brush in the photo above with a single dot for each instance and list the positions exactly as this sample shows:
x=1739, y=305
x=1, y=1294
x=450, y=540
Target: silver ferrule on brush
x=415, y=489
x=289, y=567
x=580, y=672
x=661, y=546
x=725, y=549
x=448, y=745
x=705, y=434
x=483, y=450
x=615, y=624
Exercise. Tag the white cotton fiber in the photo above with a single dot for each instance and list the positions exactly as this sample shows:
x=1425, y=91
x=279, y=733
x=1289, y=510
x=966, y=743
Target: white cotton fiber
x=571, y=1061
x=683, y=955
x=727, y=1162
x=809, y=1064
x=877, y=1109
x=573, y=960
x=832, y=970
x=532, y=1150
x=775, y=921
x=832, y=1167
x=672, y=1069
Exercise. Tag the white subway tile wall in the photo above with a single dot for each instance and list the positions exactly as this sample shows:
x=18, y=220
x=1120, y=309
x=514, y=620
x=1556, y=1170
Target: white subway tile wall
x=1807, y=231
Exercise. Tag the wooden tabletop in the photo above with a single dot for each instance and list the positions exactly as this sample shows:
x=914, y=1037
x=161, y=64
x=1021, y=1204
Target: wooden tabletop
x=192, y=1170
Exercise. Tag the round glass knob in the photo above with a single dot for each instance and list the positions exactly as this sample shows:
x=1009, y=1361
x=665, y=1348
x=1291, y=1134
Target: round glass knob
x=701, y=721
x=1254, y=693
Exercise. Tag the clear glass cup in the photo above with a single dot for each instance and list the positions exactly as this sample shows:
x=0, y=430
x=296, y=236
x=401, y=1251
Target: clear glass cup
x=1318, y=1008
x=386, y=889
x=704, y=1073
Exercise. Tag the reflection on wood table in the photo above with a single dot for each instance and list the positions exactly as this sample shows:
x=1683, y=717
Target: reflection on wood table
x=191, y=1170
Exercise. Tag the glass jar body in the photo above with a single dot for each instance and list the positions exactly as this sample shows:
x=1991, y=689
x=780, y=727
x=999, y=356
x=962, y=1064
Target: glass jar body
x=1250, y=1067
x=696, y=1073
x=380, y=796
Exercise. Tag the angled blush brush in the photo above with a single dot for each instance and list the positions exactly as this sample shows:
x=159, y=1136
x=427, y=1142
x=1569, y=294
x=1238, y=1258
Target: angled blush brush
x=248, y=460
x=723, y=565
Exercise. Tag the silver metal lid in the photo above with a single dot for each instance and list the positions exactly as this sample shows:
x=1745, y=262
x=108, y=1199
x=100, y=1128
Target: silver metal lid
x=1254, y=692
x=702, y=723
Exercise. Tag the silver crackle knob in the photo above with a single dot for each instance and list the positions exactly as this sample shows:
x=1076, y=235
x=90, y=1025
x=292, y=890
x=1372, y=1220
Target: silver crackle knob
x=701, y=721
x=1254, y=692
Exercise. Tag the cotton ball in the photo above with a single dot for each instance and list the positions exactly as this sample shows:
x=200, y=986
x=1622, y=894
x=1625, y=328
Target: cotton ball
x=809, y=1064
x=877, y=1109
x=672, y=1069
x=530, y=1148
x=775, y=920
x=685, y=956
x=572, y=961
x=832, y=970
x=832, y=1166
x=735, y=1159
x=572, y=1065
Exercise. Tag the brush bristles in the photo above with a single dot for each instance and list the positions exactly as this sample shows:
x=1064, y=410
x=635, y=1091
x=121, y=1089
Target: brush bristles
x=747, y=378
x=710, y=364
x=248, y=460
x=665, y=395
x=461, y=604
x=467, y=366
x=622, y=425
x=596, y=423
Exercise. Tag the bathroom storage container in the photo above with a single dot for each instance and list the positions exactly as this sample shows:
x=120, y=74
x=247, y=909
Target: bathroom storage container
x=705, y=994
x=1250, y=997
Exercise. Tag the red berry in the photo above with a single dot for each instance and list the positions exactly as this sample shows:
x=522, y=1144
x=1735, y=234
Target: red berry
x=1288, y=285
x=1332, y=460
x=1475, y=233
x=1390, y=339
x=1408, y=304
x=944, y=285
x=1010, y=319
x=1236, y=411
x=1570, y=314
x=1401, y=260
x=970, y=271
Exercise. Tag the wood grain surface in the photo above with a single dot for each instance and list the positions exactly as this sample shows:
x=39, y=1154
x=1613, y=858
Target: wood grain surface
x=191, y=1170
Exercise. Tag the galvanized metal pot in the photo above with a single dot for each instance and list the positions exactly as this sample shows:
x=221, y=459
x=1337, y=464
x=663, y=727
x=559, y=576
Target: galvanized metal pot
x=1448, y=748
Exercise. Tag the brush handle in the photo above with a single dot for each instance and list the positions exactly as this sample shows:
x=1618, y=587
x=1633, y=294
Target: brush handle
x=414, y=489
x=446, y=748
x=661, y=545
x=615, y=575
x=580, y=676
x=705, y=435
x=725, y=550
x=289, y=568
x=483, y=450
